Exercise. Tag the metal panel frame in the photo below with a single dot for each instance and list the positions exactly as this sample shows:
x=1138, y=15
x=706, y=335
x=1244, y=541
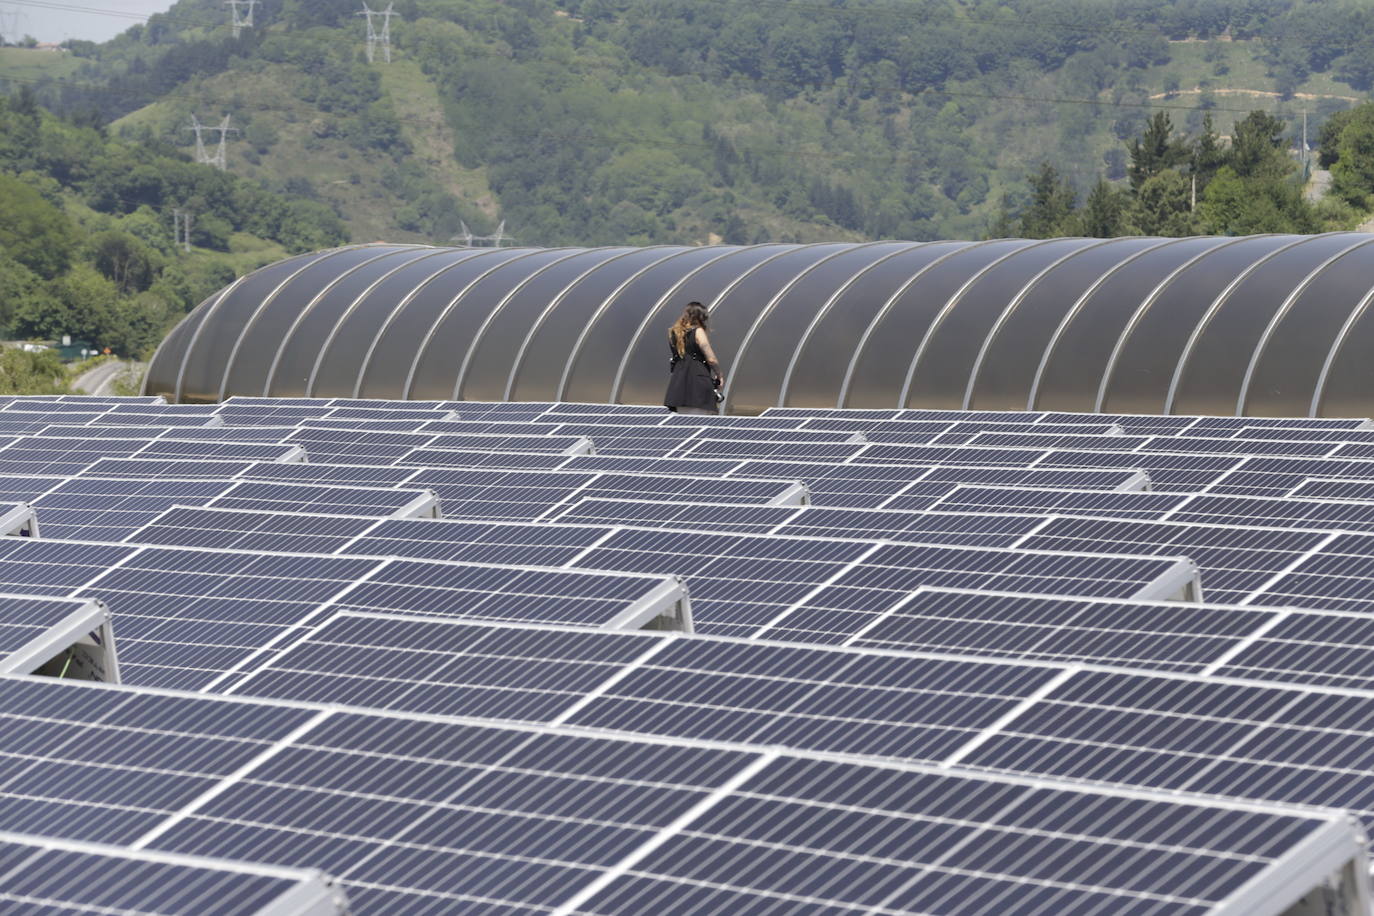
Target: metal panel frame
x=1012, y=306
x=767, y=310
x=953, y=302
x=296, y=322
x=1076, y=308
x=315, y=893
x=557, y=300
x=452, y=304
x=324, y=347
x=1104, y=385
x=1215, y=306
x=825, y=309
x=575, y=350
x=263, y=303
x=88, y=625
x=842, y=397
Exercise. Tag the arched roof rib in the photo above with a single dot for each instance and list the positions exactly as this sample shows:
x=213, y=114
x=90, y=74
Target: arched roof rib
x=1259, y=325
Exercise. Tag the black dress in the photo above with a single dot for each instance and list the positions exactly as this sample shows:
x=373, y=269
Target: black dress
x=690, y=384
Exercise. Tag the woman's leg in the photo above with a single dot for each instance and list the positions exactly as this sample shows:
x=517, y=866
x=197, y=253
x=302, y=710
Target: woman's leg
x=698, y=411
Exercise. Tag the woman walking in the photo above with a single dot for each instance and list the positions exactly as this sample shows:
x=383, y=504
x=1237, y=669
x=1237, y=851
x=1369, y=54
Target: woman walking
x=696, y=377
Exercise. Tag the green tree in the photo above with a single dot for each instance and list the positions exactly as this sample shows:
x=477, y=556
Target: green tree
x=23, y=372
x=1104, y=212
x=33, y=231
x=1051, y=207
x=1206, y=153
x=1257, y=146
x=1161, y=206
x=1352, y=175
x=1329, y=136
x=1155, y=150
x=125, y=260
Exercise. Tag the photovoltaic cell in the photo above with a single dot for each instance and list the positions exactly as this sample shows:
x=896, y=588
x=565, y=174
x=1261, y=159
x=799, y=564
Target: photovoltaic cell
x=1089, y=502
x=251, y=530
x=1233, y=561
x=55, y=877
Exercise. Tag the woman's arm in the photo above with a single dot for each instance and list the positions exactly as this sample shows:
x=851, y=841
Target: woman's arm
x=704, y=342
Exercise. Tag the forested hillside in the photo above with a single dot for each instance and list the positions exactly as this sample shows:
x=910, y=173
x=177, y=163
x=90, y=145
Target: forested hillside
x=642, y=121
x=86, y=237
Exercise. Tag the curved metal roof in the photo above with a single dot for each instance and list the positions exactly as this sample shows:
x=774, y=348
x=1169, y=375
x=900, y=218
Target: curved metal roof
x=1261, y=325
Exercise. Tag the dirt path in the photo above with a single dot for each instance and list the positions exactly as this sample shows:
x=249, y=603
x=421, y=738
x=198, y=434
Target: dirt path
x=1263, y=92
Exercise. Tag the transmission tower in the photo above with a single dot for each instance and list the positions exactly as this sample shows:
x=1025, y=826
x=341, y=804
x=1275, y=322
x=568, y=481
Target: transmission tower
x=375, y=37
x=181, y=228
x=496, y=240
x=218, y=159
x=9, y=26
x=241, y=21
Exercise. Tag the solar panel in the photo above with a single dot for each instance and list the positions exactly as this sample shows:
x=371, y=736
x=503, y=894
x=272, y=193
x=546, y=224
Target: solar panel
x=486, y=816
x=167, y=420
x=1234, y=561
x=821, y=590
x=845, y=413
x=966, y=498
x=872, y=485
x=712, y=447
x=239, y=529
x=1012, y=716
x=48, y=875
x=1131, y=424
x=539, y=445
x=187, y=616
x=696, y=467
x=1029, y=572
x=1320, y=488
x=1261, y=476
x=1165, y=636
x=91, y=508
x=337, y=446
x=1319, y=434
x=482, y=542
x=1179, y=444
x=82, y=451
x=517, y=495
x=1291, y=423
x=730, y=423
x=556, y=409
x=821, y=521
x=655, y=513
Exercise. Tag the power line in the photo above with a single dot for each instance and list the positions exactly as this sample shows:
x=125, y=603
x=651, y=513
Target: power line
x=952, y=93
x=610, y=140
x=921, y=18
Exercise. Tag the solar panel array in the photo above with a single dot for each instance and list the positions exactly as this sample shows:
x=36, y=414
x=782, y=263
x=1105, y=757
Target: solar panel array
x=452, y=656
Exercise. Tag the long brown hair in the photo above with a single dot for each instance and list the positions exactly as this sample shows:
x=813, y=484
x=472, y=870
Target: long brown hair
x=693, y=316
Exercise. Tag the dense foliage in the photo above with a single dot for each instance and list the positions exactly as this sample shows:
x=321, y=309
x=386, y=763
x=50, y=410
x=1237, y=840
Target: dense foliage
x=86, y=245
x=1201, y=185
x=639, y=121
x=648, y=121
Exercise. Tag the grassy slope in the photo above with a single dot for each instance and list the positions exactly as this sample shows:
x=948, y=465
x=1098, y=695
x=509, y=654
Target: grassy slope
x=420, y=111
x=30, y=64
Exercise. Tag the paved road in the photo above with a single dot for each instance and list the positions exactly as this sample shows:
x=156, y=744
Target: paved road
x=100, y=380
